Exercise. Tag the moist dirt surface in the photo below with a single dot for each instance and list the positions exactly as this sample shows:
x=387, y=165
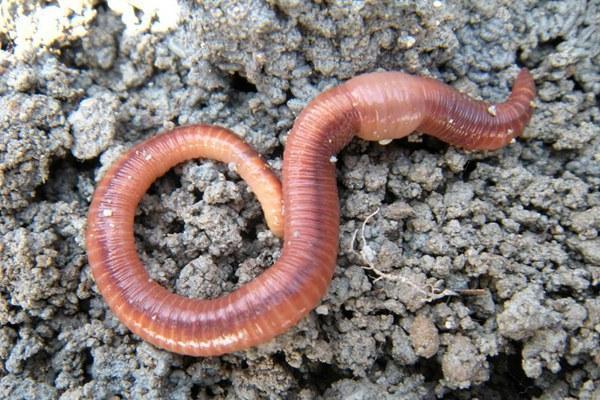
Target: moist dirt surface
x=477, y=277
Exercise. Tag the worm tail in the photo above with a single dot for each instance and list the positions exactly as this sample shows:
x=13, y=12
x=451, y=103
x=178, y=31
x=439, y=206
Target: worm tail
x=180, y=324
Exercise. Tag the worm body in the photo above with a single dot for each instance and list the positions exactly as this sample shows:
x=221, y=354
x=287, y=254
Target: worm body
x=375, y=106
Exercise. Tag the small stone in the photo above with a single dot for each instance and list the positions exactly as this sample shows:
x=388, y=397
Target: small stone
x=424, y=336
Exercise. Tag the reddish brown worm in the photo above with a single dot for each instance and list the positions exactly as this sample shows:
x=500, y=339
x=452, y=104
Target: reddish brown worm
x=377, y=106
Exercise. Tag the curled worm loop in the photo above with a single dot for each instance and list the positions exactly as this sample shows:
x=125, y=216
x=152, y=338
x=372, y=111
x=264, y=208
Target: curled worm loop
x=375, y=106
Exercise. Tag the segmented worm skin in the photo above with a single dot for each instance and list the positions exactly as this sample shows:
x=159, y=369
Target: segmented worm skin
x=375, y=106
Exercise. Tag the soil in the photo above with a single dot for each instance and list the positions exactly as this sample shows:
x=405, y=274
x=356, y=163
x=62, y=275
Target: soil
x=490, y=261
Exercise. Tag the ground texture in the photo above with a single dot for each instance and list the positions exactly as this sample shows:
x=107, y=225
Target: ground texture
x=513, y=233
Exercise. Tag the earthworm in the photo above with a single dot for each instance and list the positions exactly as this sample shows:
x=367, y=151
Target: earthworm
x=376, y=106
